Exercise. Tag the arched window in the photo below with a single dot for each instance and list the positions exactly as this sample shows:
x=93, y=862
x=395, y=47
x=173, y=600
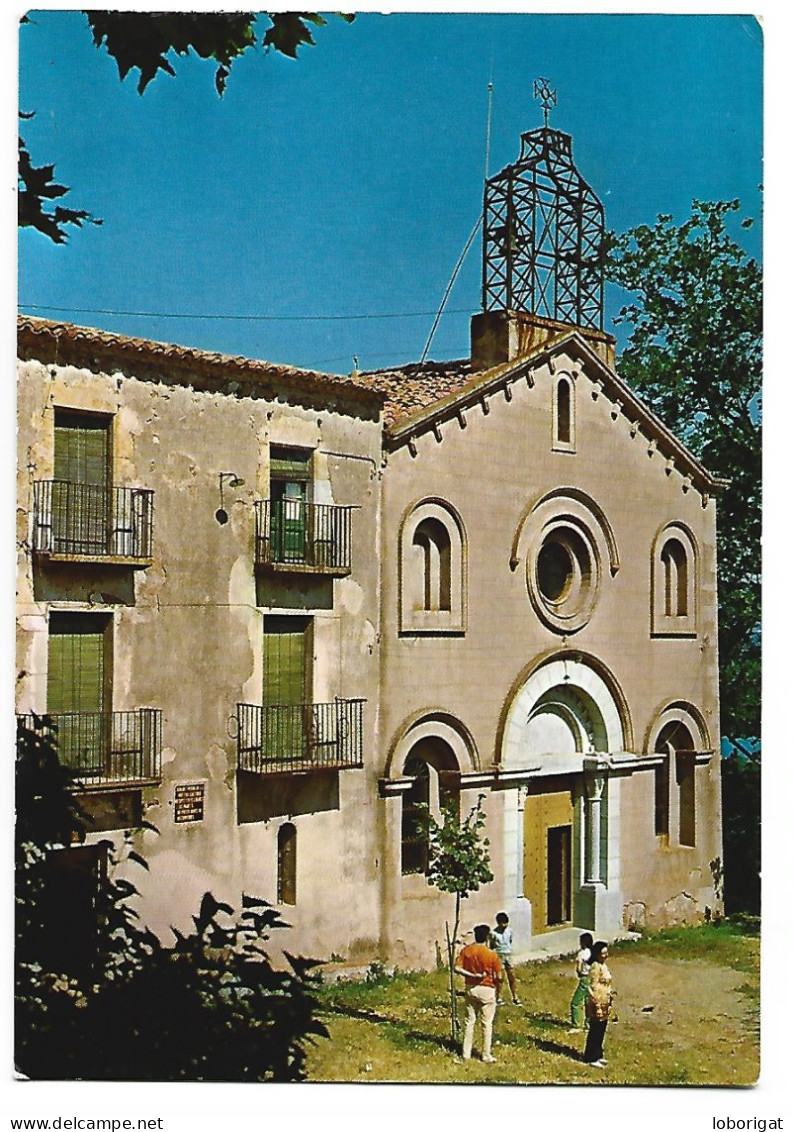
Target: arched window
x=675, y=571
x=564, y=414
x=684, y=773
x=675, y=563
x=415, y=832
x=433, y=542
x=434, y=790
x=432, y=570
x=674, y=742
x=563, y=411
x=287, y=864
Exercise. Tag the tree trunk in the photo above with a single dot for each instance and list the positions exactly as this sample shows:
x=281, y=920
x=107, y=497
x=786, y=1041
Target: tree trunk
x=451, y=944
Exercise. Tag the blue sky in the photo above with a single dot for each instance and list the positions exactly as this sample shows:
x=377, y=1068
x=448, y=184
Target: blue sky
x=347, y=183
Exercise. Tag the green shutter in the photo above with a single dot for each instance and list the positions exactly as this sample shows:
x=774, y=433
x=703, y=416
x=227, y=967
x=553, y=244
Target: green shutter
x=76, y=669
x=284, y=661
x=289, y=464
x=81, y=449
x=76, y=684
x=286, y=720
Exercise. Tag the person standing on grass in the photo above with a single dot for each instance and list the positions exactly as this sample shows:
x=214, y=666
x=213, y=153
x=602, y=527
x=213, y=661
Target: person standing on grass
x=581, y=992
x=598, y=1005
x=501, y=942
x=481, y=968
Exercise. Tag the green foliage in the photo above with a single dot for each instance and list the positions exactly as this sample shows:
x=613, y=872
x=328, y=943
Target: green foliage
x=459, y=863
x=47, y=812
x=210, y=1007
x=143, y=41
x=459, y=858
x=695, y=356
x=36, y=190
x=740, y=795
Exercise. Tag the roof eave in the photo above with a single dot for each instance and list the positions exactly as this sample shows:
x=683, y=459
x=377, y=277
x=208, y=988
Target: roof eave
x=91, y=345
x=489, y=381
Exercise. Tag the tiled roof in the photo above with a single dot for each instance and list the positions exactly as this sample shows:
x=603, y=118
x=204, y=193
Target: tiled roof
x=404, y=390
x=417, y=385
x=83, y=343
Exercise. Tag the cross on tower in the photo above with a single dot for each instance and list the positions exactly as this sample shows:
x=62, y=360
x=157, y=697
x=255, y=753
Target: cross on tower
x=542, y=90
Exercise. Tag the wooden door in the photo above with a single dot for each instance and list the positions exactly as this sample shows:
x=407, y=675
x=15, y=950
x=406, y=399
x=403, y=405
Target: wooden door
x=547, y=858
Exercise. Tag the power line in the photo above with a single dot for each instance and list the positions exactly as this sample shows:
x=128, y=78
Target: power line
x=27, y=307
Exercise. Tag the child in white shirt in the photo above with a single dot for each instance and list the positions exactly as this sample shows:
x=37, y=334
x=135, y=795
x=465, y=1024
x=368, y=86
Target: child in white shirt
x=582, y=963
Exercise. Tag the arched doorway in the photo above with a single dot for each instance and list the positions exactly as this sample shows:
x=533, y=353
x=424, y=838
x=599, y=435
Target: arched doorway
x=562, y=836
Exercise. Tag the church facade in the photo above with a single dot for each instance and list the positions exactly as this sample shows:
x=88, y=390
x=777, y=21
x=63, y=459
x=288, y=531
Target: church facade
x=274, y=613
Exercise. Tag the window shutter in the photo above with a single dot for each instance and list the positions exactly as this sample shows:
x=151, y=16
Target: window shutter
x=289, y=464
x=81, y=449
x=284, y=662
x=76, y=668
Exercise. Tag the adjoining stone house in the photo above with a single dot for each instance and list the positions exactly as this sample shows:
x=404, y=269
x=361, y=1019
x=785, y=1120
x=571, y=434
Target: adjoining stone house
x=275, y=611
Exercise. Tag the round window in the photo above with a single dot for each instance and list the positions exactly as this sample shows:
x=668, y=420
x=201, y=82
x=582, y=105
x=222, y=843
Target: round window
x=563, y=576
x=554, y=571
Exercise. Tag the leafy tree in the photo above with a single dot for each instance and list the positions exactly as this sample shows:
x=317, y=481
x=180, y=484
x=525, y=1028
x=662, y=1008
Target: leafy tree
x=459, y=863
x=210, y=1007
x=695, y=356
x=143, y=41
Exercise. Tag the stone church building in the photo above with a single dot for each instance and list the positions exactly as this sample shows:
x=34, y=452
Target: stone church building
x=273, y=612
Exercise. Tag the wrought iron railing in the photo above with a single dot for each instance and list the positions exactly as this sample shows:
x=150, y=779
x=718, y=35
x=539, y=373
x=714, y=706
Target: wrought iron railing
x=90, y=520
x=300, y=737
x=106, y=748
x=291, y=532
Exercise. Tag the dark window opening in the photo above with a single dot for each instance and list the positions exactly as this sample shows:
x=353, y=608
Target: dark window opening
x=563, y=412
x=675, y=564
x=559, y=856
x=415, y=832
x=432, y=539
x=287, y=864
x=554, y=571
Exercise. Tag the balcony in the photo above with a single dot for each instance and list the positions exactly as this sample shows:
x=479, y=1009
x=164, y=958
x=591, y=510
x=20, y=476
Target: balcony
x=109, y=749
x=299, y=537
x=83, y=522
x=305, y=737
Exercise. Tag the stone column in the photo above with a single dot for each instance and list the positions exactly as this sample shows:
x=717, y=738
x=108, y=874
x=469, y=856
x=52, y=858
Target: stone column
x=595, y=783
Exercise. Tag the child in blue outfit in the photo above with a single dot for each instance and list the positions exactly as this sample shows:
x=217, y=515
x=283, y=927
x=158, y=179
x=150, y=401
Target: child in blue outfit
x=501, y=942
x=581, y=992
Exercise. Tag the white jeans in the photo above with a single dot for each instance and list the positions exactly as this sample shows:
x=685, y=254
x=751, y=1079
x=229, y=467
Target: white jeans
x=481, y=1003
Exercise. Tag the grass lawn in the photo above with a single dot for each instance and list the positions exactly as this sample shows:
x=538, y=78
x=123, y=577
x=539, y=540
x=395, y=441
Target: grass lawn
x=687, y=1013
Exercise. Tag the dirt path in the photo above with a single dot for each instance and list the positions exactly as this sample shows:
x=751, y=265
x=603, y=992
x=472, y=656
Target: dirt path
x=694, y=1003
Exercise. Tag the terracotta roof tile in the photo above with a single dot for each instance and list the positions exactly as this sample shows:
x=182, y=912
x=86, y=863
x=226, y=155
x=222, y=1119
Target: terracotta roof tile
x=417, y=385
x=83, y=341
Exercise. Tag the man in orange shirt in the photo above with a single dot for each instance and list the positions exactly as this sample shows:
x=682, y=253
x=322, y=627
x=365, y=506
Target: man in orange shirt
x=481, y=968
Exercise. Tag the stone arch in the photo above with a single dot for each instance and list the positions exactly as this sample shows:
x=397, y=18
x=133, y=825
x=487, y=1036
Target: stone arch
x=433, y=568
x=571, y=700
x=684, y=713
x=429, y=724
x=674, y=581
x=556, y=502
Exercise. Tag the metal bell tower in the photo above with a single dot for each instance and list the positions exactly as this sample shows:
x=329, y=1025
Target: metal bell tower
x=543, y=232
